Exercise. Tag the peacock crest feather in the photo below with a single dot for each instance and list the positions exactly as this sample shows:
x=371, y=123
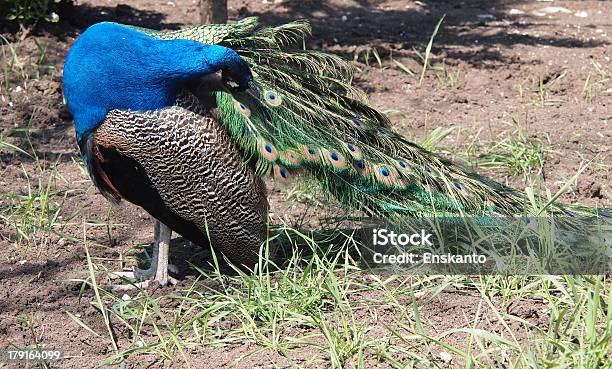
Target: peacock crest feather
x=302, y=113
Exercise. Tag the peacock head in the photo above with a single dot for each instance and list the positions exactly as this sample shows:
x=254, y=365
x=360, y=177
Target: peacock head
x=112, y=66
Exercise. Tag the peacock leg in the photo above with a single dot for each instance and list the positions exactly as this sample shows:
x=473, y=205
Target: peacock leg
x=158, y=270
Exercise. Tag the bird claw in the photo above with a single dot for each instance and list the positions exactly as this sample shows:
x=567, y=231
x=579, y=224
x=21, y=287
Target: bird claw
x=143, y=285
x=158, y=271
x=144, y=276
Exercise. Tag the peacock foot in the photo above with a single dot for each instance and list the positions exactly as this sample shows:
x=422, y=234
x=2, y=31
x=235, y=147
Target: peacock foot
x=144, y=277
x=158, y=271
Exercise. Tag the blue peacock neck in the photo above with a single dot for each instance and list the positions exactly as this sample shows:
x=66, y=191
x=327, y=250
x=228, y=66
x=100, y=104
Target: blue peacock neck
x=111, y=66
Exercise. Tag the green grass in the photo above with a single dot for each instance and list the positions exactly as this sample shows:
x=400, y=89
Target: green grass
x=31, y=215
x=445, y=76
x=431, y=141
x=23, y=10
x=12, y=148
x=595, y=82
x=366, y=55
x=33, y=335
x=306, y=192
x=19, y=73
x=401, y=66
x=544, y=91
x=587, y=90
x=31, y=212
x=428, y=50
x=604, y=75
x=448, y=78
x=315, y=305
x=515, y=155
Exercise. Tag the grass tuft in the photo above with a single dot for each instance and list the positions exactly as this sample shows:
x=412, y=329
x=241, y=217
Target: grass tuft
x=428, y=49
x=518, y=155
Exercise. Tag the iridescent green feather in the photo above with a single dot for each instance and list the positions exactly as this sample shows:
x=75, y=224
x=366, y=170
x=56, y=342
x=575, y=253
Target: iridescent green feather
x=302, y=113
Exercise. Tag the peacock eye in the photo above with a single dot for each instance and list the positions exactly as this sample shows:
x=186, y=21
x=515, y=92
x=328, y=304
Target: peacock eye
x=272, y=98
x=312, y=151
x=385, y=171
x=267, y=150
x=351, y=147
x=334, y=156
x=402, y=164
x=356, y=122
x=243, y=109
x=457, y=185
x=360, y=164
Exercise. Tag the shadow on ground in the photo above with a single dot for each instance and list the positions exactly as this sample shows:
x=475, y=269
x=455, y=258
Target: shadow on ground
x=466, y=23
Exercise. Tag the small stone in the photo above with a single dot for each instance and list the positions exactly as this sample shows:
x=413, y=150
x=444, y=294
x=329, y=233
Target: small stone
x=486, y=16
x=344, y=18
x=516, y=12
x=419, y=295
x=581, y=14
x=126, y=297
x=446, y=357
x=555, y=9
x=61, y=242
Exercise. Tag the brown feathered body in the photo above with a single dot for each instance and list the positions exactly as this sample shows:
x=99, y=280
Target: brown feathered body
x=181, y=166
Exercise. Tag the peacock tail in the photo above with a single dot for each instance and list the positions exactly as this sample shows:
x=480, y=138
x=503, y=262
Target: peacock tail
x=301, y=116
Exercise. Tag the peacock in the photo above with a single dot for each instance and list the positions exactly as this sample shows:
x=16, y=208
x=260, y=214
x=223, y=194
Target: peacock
x=158, y=126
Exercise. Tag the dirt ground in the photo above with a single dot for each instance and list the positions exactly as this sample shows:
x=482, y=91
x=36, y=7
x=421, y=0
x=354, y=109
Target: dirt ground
x=497, y=51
